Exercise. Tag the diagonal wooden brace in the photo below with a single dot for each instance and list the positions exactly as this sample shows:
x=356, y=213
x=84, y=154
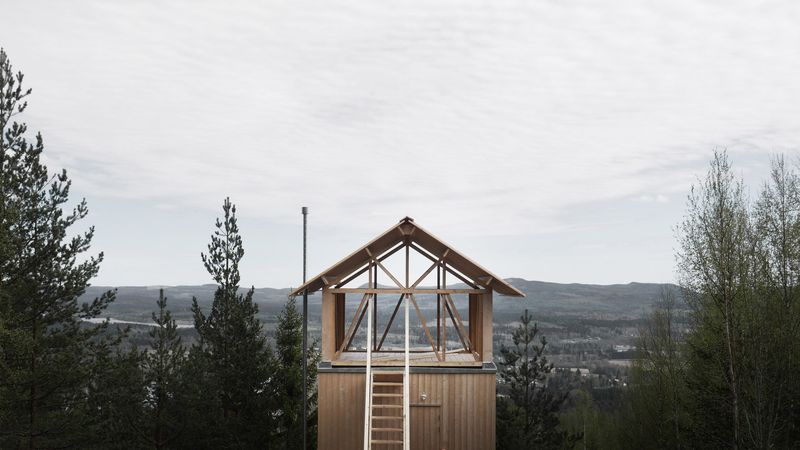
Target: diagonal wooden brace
x=424, y=326
x=351, y=330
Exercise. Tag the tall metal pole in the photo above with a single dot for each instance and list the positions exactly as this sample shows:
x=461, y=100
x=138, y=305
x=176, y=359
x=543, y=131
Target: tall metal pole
x=304, y=210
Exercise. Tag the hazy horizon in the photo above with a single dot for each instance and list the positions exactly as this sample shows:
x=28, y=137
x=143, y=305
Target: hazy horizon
x=245, y=286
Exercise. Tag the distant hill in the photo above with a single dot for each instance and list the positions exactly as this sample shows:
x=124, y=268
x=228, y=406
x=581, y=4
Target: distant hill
x=631, y=301
x=135, y=303
x=591, y=301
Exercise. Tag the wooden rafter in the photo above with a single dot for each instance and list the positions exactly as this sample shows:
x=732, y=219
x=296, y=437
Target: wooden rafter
x=485, y=281
x=405, y=291
x=406, y=229
x=385, y=270
x=430, y=269
x=444, y=266
x=367, y=266
x=330, y=280
x=398, y=236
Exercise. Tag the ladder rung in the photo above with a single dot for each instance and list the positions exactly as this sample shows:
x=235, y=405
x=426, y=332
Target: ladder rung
x=388, y=429
x=391, y=378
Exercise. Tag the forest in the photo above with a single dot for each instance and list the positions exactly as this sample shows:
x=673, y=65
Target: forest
x=67, y=381
x=716, y=372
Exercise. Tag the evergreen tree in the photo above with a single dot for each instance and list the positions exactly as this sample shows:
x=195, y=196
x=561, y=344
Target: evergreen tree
x=47, y=351
x=528, y=417
x=116, y=397
x=163, y=367
x=288, y=380
x=232, y=345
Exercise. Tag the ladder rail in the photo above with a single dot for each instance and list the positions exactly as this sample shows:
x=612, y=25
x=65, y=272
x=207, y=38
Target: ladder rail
x=369, y=398
x=406, y=389
x=368, y=383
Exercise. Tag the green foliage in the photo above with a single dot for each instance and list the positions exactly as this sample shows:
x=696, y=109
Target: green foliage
x=772, y=404
x=232, y=348
x=116, y=396
x=729, y=382
x=714, y=269
x=47, y=354
x=598, y=429
x=658, y=415
x=288, y=380
x=528, y=416
x=65, y=382
x=163, y=367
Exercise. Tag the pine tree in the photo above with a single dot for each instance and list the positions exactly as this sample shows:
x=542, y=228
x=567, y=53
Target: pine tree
x=116, y=396
x=528, y=417
x=163, y=366
x=45, y=348
x=231, y=343
x=288, y=380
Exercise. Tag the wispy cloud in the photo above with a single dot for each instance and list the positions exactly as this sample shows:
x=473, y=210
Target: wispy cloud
x=457, y=112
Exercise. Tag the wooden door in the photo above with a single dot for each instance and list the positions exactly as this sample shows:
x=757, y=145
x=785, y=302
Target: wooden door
x=426, y=423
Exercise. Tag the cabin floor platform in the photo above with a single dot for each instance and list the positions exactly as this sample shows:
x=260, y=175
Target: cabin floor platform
x=416, y=357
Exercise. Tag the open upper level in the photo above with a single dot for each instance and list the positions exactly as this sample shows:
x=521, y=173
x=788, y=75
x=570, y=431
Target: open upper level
x=452, y=324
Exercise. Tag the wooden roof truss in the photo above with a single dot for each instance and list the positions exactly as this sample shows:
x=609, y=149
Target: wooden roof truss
x=407, y=290
x=407, y=234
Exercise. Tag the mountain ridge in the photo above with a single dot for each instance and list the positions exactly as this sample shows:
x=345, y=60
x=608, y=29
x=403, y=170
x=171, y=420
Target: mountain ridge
x=627, y=301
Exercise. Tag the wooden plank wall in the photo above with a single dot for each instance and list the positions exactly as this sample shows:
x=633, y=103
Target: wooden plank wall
x=457, y=414
x=426, y=414
x=340, y=411
x=469, y=411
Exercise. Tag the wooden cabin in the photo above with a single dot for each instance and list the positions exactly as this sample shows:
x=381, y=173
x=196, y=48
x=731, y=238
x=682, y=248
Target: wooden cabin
x=430, y=383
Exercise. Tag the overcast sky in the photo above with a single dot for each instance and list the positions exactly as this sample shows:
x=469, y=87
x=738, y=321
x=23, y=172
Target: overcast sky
x=548, y=140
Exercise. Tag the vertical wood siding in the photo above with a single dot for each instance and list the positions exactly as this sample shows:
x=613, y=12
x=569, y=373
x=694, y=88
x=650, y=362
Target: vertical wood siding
x=457, y=414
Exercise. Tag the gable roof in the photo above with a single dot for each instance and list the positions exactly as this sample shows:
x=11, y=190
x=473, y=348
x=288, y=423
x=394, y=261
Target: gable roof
x=395, y=235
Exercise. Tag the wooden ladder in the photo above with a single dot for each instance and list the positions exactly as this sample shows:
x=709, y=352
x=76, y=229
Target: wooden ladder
x=387, y=424
x=386, y=412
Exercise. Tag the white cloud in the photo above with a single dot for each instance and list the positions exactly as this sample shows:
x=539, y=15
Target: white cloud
x=658, y=198
x=456, y=112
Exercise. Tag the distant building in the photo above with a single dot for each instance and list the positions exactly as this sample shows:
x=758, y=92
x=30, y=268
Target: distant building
x=583, y=372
